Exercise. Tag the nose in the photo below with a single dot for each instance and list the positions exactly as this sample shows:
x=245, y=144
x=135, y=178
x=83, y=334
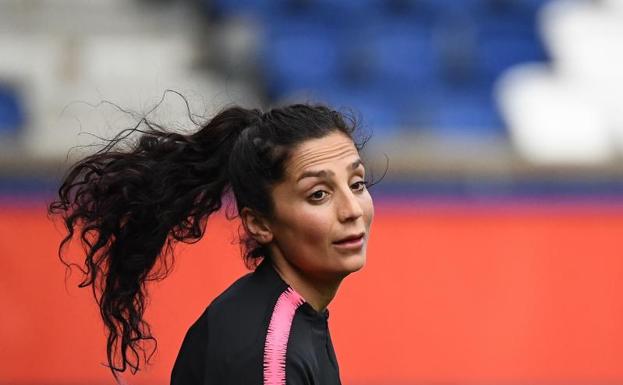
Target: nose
x=349, y=207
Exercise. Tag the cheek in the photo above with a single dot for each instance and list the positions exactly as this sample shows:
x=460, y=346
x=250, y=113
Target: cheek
x=306, y=226
x=313, y=225
x=368, y=209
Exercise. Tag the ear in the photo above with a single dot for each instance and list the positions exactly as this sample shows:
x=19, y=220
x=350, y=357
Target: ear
x=256, y=225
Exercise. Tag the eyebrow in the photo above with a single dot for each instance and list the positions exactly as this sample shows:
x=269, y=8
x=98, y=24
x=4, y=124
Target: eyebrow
x=325, y=173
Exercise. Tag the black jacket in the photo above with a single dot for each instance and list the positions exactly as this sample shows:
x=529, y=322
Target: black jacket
x=258, y=331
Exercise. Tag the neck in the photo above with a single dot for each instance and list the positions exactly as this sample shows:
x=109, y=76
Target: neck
x=318, y=293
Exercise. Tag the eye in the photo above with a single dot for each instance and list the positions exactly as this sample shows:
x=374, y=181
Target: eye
x=317, y=195
x=359, y=186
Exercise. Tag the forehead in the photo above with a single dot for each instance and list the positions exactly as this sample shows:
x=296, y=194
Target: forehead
x=315, y=152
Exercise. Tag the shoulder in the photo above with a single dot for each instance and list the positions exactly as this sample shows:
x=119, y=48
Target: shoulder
x=241, y=303
x=227, y=342
x=231, y=309
x=238, y=318
x=224, y=302
x=228, y=335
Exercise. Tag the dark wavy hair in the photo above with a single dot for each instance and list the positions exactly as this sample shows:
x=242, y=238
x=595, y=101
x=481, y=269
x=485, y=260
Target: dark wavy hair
x=133, y=199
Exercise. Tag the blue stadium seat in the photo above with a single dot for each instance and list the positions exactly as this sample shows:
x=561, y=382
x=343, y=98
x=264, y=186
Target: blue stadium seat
x=348, y=8
x=451, y=109
x=227, y=8
x=506, y=22
x=468, y=109
x=299, y=60
x=443, y=6
x=471, y=6
x=507, y=37
x=378, y=112
x=529, y=6
x=12, y=114
x=402, y=53
x=497, y=54
x=473, y=117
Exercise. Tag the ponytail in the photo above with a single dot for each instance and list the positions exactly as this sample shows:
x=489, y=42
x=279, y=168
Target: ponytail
x=130, y=206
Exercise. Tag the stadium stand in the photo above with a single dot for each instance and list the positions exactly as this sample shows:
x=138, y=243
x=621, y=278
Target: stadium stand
x=445, y=53
x=422, y=74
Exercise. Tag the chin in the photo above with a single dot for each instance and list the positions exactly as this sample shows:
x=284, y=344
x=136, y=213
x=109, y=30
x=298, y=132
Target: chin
x=354, y=263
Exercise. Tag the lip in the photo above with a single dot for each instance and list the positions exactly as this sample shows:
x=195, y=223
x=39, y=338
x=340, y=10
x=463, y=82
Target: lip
x=350, y=242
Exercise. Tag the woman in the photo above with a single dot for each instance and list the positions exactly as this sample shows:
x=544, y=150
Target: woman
x=300, y=192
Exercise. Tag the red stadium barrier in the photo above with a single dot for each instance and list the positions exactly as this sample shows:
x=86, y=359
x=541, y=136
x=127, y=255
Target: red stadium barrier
x=448, y=295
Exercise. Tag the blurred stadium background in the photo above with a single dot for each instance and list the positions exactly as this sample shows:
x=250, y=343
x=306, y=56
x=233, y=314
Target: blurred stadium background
x=496, y=252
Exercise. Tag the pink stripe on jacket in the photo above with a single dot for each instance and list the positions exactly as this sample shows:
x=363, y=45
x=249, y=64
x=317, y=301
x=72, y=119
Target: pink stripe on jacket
x=277, y=337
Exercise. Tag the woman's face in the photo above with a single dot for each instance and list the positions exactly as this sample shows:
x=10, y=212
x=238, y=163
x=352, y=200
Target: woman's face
x=321, y=202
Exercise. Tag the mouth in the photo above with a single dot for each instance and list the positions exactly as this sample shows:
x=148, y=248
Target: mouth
x=355, y=240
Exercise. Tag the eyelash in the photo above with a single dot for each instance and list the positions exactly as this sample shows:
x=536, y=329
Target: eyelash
x=361, y=183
